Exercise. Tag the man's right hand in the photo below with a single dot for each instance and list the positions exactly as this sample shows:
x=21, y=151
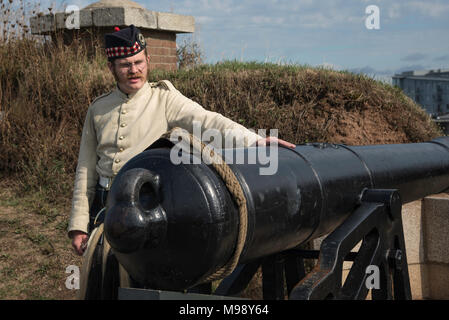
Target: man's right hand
x=79, y=241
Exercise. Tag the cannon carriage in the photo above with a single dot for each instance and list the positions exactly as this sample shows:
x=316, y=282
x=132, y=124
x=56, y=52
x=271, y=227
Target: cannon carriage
x=176, y=227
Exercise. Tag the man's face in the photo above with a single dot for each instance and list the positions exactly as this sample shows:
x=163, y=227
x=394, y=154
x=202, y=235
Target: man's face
x=130, y=73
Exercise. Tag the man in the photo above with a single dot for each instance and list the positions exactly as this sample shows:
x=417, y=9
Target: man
x=125, y=121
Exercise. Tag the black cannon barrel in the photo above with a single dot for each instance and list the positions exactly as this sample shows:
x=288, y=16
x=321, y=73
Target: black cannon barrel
x=172, y=225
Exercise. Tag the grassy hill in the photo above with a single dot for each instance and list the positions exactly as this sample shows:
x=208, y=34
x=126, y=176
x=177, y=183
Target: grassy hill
x=307, y=104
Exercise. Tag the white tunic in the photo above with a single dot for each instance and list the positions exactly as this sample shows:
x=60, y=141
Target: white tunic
x=119, y=126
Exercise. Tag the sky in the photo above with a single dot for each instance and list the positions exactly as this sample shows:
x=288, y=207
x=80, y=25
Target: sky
x=409, y=35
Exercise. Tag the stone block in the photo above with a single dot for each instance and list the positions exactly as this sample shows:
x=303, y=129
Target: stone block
x=419, y=284
x=108, y=17
x=141, y=18
x=175, y=22
x=413, y=231
x=436, y=228
x=438, y=281
x=103, y=16
x=85, y=19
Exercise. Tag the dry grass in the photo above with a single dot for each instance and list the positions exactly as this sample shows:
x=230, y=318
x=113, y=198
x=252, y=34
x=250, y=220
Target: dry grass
x=34, y=248
x=189, y=55
x=44, y=94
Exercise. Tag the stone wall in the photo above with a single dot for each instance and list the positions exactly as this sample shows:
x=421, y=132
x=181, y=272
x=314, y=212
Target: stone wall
x=435, y=235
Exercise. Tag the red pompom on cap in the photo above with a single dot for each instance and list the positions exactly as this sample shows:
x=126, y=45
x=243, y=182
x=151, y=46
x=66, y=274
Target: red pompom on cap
x=116, y=29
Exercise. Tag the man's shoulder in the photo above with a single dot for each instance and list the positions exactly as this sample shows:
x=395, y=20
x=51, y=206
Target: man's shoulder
x=164, y=85
x=103, y=97
x=106, y=100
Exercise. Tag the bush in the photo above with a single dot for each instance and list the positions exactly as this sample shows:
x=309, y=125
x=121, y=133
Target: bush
x=45, y=91
x=189, y=55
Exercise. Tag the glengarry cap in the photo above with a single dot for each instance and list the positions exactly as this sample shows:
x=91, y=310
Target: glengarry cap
x=124, y=43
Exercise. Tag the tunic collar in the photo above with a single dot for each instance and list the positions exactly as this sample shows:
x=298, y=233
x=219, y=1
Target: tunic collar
x=130, y=96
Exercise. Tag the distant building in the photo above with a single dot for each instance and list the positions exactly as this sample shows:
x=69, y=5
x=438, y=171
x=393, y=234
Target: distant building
x=430, y=89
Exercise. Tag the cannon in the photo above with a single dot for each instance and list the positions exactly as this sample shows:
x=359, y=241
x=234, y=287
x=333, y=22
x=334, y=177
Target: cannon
x=171, y=226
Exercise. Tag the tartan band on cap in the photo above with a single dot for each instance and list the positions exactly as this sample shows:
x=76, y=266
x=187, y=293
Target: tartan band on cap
x=117, y=52
x=124, y=43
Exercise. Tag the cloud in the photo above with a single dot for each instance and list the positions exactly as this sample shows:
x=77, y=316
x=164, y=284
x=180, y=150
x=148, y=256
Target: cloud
x=365, y=70
x=307, y=14
x=413, y=67
x=380, y=75
x=203, y=19
x=412, y=33
x=414, y=57
x=368, y=70
x=442, y=58
x=403, y=8
x=429, y=8
x=394, y=11
x=387, y=74
x=226, y=6
x=267, y=20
